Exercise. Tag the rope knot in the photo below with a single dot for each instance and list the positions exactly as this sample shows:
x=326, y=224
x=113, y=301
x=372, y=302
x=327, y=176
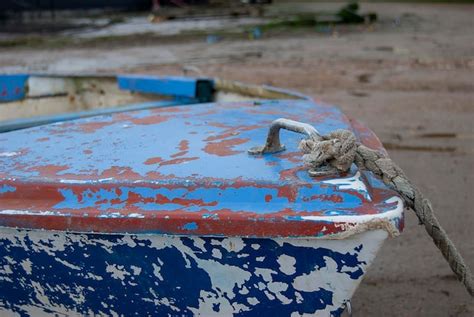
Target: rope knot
x=336, y=150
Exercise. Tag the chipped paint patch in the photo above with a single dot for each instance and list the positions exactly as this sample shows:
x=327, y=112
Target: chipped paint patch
x=287, y=264
x=9, y=154
x=224, y=147
x=135, y=215
x=28, y=212
x=351, y=183
x=190, y=226
x=7, y=189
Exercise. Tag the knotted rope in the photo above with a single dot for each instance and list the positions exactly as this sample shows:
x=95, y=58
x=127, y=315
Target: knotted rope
x=339, y=150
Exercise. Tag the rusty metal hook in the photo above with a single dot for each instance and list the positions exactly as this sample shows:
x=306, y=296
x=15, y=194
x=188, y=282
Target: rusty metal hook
x=273, y=144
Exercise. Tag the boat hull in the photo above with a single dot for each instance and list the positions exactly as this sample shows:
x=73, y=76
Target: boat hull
x=53, y=272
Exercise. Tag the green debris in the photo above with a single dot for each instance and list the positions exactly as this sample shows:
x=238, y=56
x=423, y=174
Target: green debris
x=348, y=14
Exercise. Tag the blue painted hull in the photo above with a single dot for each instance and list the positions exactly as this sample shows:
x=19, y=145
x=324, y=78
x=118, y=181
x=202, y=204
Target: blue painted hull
x=141, y=275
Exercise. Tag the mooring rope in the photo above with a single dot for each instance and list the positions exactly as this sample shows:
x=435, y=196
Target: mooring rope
x=340, y=149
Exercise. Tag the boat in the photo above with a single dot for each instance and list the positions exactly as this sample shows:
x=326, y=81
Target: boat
x=153, y=196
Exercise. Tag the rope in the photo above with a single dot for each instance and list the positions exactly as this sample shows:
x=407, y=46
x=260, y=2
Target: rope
x=339, y=150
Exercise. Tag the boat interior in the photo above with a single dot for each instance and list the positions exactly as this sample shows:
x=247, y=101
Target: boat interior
x=37, y=99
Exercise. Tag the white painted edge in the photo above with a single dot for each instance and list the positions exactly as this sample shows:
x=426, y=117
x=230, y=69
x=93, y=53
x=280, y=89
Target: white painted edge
x=392, y=214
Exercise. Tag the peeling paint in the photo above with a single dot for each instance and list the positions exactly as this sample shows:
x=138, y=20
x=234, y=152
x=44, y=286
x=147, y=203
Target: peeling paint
x=9, y=154
x=46, y=272
x=159, y=170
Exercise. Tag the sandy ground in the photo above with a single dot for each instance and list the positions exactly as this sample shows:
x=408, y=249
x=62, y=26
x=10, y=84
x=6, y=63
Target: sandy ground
x=409, y=77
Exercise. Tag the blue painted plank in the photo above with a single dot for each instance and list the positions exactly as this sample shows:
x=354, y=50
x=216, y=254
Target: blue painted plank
x=167, y=86
x=12, y=87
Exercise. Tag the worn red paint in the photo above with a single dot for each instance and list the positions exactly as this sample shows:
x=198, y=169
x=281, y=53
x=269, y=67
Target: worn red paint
x=90, y=127
x=153, y=160
x=334, y=198
x=219, y=125
x=172, y=110
x=120, y=172
x=291, y=173
x=161, y=162
x=134, y=198
x=155, y=119
x=290, y=192
x=178, y=160
x=295, y=157
x=224, y=147
x=229, y=226
x=150, y=119
x=49, y=169
x=231, y=132
x=183, y=147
